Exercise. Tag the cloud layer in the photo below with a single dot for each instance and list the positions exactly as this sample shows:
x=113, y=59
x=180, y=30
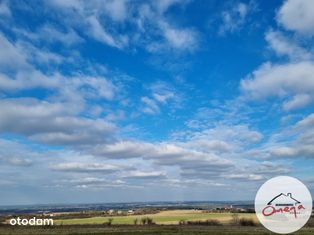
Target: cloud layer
x=163, y=100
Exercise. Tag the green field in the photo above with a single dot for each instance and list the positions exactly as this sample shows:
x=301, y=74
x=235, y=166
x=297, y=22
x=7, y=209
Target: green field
x=164, y=217
x=166, y=224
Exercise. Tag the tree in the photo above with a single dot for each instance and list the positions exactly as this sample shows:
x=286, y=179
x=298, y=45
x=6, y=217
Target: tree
x=110, y=221
x=143, y=220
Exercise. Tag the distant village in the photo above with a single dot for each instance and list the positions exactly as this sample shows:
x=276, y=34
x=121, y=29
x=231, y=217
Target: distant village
x=144, y=211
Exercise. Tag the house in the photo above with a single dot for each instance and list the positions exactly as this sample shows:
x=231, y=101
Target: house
x=130, y=212
x=110, y=212
x=284, y=200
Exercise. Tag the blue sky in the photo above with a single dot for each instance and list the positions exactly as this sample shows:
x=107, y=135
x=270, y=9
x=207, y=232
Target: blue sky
x=118, y=100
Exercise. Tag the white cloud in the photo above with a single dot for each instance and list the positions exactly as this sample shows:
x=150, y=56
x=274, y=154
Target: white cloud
x=292, y=82
x=123, y=149
x=184, y=39
x=286, y=47
x=85, y=16
x=117, y=9
x=297, y=15
x=162, y=94
x=234, y=18
x=151, y=106
x=91, y=183
x=254, y=177
x=146, y=18
x=16, y=154
x=161, y=35
x=145, y=175
x=100, y=34
x=40, y=56
x=9, y=53
x=284, y=151
x=293, y=79
x=51, y=34
x=216, y=146
x=163, y=98
x=191, y=162
x=307, y=122
x=231, y=134
x=85, y=167
x=297, y=101
x=25, y=75
x=297, y=151
x=295, y=141
x=74, y=89
x=163, y=5
x=211, y=152
x=53, y=123
x=4, y=9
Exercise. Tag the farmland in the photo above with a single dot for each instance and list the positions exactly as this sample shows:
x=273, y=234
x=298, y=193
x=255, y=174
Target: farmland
x=168, y=222
x=163, y=217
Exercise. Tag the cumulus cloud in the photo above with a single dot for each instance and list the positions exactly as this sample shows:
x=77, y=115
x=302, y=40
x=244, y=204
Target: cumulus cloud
x=297, y=15
x=292, y=82
x=52, y=123
x=297, y=101
x=191, y=162
x=284, y=46
x=179, y=38
x=282, y=81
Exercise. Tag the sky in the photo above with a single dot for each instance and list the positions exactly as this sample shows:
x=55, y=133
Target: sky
x=132, y=101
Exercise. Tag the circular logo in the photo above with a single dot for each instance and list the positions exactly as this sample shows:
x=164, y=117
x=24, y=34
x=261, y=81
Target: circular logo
x=283, y=204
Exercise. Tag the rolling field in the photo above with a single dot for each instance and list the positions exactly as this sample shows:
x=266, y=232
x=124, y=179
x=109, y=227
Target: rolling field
x=166, y=224
x=164, y=217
